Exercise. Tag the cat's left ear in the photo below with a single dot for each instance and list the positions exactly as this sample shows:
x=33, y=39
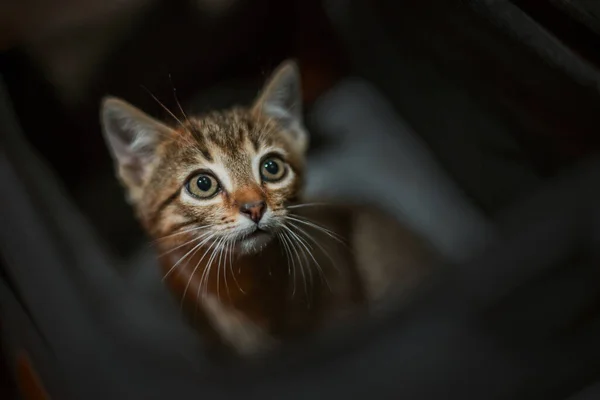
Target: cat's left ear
x=281, y=99
x=132, y=138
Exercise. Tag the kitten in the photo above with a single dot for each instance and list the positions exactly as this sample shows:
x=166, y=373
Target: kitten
x=221, y=195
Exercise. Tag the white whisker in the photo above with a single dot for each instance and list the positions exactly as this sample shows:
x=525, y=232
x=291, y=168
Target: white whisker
x=228, y=252
x=305, y=244
x=164, y=107
x=194, y=272
x=177, y=100
x=290, y=260
x=202, y=236
x=285, y=252
x=232, y=271
x=182, y=232
x=206, y=267
x=294, y=248
x=308, y=205
x=328, y=232
x=186, y=254
x=209, y=265
x=294, y=268
x=316, y=242
x=223, y=248
x=189, y=280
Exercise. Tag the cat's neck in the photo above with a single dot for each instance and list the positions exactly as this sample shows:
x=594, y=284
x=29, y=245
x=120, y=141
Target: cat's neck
x=262, y=287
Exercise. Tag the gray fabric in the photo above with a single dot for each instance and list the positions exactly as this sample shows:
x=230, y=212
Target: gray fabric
x=102, y=336
x=519, y=25
x=102, y=340
x=472, y=142
x=590, y=393
x=71, y=289
x=82, y=304
x=376, y=157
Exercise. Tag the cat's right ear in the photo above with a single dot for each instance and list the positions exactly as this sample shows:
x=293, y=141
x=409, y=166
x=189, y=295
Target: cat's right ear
x=132, y=138
x=281, y=99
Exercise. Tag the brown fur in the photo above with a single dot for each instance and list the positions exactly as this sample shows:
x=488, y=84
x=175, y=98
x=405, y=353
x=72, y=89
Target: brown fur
x=252, y=299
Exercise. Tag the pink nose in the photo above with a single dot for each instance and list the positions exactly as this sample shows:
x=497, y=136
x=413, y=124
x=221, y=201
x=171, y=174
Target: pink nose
x=253, y=210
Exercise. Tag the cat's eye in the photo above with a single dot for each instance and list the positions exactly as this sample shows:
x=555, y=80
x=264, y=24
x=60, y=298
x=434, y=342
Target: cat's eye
x=202, y=186
x=272, y=169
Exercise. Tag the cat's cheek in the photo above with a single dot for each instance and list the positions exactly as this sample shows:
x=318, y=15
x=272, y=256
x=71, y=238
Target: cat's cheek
x=283, y=185
x=172, y=220
x=206, y=212
x=277, y=199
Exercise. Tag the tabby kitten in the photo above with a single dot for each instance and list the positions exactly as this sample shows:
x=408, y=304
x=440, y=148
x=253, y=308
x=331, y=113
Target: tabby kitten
x=220, y=194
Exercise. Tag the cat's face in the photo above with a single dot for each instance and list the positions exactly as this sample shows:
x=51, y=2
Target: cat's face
x=227, y=176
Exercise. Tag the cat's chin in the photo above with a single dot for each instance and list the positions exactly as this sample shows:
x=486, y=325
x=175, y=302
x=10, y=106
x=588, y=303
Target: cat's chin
x=254, y=243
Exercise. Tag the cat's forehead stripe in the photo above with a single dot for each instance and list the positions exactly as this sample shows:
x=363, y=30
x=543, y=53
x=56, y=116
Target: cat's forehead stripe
x=206, y=154
x=229, y=129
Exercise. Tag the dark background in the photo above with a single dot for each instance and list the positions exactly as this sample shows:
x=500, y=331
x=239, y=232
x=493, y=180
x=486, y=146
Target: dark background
x=441, y=63
x=504, y=93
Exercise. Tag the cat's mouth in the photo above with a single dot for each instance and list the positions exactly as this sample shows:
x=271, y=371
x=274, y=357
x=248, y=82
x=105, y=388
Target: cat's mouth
x=254, y=242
